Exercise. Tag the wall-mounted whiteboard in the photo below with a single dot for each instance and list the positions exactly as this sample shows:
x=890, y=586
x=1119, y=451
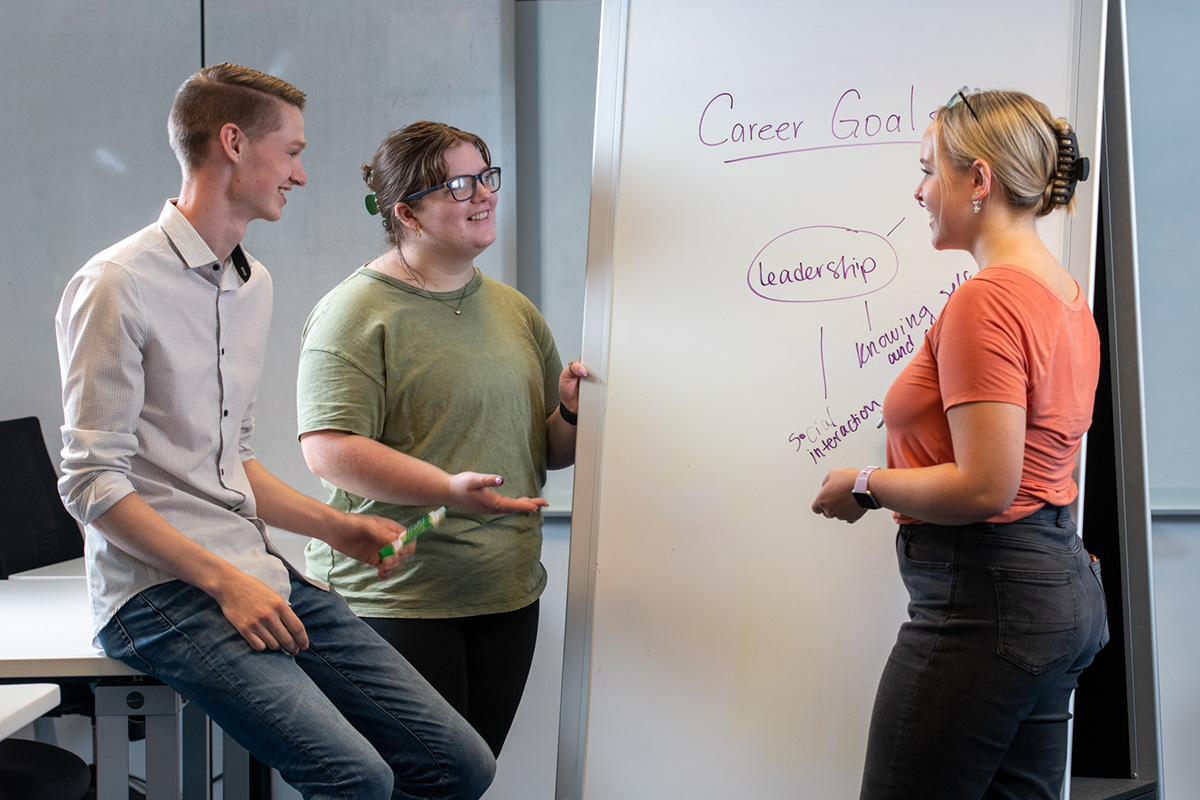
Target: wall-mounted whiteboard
x=758, y=273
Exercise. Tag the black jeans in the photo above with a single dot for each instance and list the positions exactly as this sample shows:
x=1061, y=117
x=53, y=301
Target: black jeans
x=479, y=664
x=974, y=700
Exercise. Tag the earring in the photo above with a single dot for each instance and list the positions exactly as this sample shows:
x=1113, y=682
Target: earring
x=975, y=204
x=419, y=230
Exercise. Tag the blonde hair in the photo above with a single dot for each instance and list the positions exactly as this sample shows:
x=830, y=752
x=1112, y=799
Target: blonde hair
x=1025, y=146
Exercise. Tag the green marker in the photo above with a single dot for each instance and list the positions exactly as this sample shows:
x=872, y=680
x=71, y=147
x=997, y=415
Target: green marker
x=425, y=523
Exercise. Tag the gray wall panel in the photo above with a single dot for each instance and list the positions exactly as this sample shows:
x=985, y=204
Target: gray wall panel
x=1163, y=62
x=85, y=161
x=368, y=67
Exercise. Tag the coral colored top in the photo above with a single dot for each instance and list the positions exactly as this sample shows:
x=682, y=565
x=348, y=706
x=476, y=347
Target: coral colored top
x=1004, y=336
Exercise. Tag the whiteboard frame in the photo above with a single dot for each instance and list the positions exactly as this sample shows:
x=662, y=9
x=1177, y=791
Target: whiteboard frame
x=1128, y=391
x=585, y=504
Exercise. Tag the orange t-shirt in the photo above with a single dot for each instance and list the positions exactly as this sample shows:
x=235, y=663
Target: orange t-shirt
x=1004, y=336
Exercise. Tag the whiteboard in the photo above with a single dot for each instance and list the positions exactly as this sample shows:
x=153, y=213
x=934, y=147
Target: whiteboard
x=758, y=273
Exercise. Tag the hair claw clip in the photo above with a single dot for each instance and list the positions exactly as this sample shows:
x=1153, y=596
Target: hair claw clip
x=1083, y=168
x=1070, y=170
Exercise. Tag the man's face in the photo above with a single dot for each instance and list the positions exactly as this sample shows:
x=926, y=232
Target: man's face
x=270, y=167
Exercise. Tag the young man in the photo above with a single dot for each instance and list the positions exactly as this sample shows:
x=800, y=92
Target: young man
x=161, y=341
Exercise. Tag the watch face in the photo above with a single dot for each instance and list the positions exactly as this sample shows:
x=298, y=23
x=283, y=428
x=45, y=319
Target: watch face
x=865, y=499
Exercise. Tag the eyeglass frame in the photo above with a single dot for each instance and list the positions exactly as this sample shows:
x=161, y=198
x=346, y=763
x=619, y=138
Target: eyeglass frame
x=961, y=94
x=446, y=185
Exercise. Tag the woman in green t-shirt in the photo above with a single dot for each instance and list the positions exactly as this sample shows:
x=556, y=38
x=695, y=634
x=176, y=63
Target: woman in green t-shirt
x=422, y=381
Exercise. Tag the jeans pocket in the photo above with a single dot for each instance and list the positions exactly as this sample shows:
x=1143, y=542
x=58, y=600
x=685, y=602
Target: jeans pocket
x=927, y=580
x=1104, y=635
x=1038, y=618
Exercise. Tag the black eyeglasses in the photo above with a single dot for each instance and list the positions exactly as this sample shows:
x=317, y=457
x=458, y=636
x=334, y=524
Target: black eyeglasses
x=961, y=94
x=462, y=188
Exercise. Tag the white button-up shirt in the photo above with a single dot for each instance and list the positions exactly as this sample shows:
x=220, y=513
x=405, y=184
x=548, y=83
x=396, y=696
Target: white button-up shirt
x=160, y=347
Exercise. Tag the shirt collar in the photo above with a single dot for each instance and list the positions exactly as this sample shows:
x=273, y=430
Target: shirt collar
x=194, y=251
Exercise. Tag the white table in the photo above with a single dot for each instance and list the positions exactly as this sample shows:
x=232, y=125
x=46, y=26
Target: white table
x=46, y=634
x=22, y=703
x=46, y=631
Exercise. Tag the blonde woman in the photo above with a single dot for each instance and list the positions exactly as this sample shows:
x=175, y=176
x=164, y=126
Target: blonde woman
x=983, y=427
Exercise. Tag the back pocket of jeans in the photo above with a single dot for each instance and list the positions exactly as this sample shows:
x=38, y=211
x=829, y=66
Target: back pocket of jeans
x=1038, y=618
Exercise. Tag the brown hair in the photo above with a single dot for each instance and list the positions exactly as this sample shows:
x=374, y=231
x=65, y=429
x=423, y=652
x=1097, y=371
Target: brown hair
x=411, y=159
x=1016, y=136
x=221, y=94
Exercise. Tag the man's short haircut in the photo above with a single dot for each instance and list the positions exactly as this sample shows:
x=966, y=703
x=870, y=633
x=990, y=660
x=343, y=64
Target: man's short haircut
x=221, y=94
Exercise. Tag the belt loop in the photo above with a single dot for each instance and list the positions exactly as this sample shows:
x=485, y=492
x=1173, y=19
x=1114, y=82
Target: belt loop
x=1060, y=519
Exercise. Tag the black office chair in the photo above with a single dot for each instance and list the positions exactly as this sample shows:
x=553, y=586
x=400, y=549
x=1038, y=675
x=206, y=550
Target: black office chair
x=35, y=528
x=35, y=531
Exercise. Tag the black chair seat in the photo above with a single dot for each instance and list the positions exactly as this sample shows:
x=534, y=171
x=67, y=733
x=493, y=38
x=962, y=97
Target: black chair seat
x=40, y=771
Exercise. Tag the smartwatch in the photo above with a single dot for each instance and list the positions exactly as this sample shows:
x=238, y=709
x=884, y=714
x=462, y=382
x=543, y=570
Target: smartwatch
x=862, y=495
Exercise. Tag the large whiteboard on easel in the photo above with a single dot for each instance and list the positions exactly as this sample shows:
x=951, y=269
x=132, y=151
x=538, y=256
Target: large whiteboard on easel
x=758, y=274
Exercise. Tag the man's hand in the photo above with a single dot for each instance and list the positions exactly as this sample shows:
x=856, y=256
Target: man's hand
x=261, y=616
x=362, y=536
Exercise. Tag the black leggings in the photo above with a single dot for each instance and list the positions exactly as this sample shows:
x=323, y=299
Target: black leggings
x=479, y=664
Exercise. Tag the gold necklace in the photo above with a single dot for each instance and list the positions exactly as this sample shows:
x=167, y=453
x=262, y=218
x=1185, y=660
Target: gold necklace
x=420, y=284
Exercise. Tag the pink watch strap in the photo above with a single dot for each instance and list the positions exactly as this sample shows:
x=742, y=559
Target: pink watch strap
x=860, y=483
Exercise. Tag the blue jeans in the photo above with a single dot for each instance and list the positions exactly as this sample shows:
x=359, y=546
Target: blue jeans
x=347, y=718
x=974, y=700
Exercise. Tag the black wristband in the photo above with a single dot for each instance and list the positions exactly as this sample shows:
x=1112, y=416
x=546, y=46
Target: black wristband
x=569, y=417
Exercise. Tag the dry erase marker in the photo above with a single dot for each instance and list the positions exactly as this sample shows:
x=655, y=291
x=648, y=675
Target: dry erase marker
x=425, y=523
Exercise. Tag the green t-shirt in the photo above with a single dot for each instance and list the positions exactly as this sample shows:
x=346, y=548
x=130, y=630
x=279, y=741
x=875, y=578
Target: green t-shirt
x=472, y=392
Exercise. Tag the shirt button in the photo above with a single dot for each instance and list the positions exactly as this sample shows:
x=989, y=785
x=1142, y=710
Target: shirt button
x=225, y=412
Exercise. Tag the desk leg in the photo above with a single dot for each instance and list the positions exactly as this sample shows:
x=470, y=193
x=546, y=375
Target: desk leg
x=112, y=755
x=197, y=760
x=114, y=705
x=197, y=754
x=236, y=769
x=162, y=752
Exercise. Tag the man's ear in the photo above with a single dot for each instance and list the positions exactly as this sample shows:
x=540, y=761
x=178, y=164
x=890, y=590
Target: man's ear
x=232, y=140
